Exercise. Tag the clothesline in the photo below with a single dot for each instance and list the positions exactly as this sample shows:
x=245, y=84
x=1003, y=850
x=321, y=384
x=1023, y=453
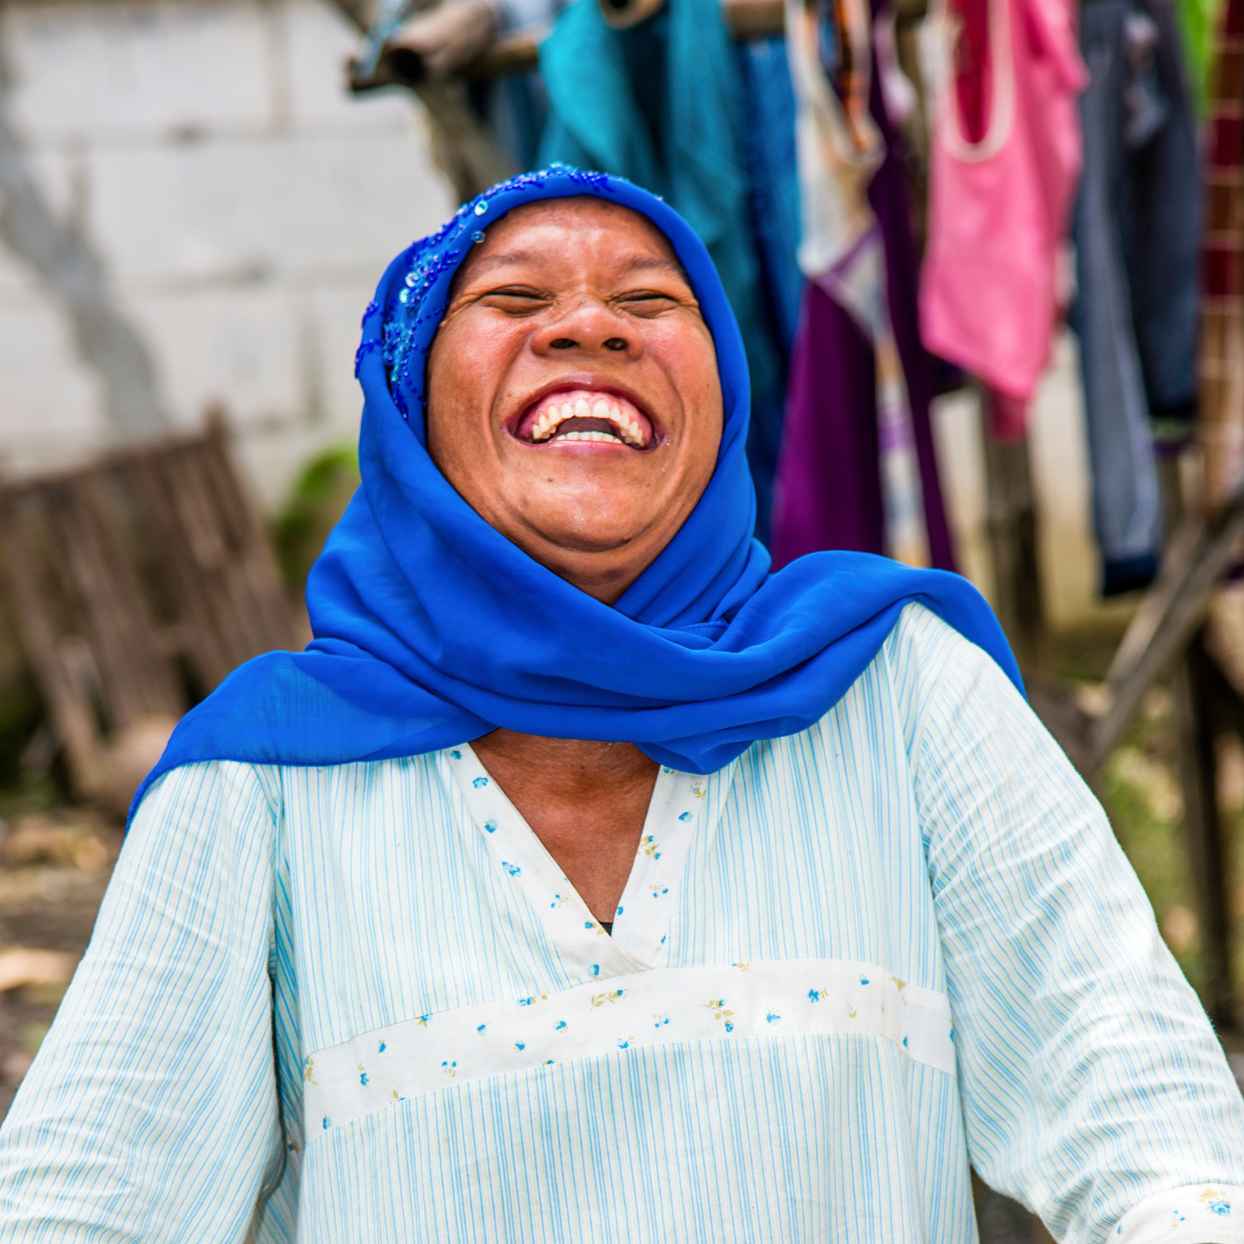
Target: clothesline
x=519, y=53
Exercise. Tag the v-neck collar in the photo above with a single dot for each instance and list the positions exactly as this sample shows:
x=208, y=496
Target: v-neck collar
x=677, y=813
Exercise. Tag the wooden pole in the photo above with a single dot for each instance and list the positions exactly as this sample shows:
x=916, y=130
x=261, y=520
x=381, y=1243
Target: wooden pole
x=461, y=146
x=1011, y=531
x=1196, y=715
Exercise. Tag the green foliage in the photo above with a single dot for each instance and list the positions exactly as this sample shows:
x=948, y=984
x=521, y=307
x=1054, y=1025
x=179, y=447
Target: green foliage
x=1136, y=789
x=315, y=502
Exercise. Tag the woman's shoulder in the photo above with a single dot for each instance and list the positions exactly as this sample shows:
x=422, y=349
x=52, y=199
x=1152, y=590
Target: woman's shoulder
x=922, y=637
x=923, y=651
x=223, y=793
x=267, y=794
x=933, y=671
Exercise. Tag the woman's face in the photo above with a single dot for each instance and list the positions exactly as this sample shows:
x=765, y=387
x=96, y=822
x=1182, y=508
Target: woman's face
x=573, y=397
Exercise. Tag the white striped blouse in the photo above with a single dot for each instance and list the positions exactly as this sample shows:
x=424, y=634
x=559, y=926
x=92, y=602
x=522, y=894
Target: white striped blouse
x=362, y=1003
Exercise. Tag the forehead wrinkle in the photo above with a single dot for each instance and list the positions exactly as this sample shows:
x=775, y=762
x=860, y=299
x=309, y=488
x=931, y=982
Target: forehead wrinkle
x=649, y=263
x=484, y=263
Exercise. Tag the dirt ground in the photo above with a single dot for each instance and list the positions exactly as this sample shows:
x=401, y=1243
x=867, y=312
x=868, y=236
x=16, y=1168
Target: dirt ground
x=54, y=866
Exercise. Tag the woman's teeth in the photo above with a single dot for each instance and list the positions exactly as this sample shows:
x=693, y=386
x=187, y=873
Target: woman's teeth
x=607, y=437
x=626, y=424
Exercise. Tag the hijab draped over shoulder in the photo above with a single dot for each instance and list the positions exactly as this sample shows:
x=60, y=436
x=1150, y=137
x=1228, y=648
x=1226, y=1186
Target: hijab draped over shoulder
x=431, y=628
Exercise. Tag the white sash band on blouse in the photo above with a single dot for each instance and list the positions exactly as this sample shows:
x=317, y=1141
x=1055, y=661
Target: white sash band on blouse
x=796, y=997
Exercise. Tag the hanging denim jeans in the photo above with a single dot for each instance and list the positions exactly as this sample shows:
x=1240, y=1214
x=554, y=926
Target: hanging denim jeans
x=1137, y=233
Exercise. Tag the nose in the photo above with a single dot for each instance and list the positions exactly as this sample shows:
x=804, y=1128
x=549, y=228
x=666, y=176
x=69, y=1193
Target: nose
x=589, y=326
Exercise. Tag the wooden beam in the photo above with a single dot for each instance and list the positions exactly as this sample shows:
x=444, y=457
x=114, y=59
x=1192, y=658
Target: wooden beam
x=67, y=706
x=511, y=54
x=108, y=459
x=1197, y=559
x=520, y=53
x=1011, y=531
x=1198, y=717
x=1213, y=861
x=130, y=573
x=462, y=148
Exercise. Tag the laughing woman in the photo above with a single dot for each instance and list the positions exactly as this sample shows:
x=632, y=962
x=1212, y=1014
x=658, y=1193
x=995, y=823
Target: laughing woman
x=582, y=880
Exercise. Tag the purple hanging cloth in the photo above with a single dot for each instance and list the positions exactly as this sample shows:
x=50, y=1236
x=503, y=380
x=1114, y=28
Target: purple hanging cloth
x=829, y=490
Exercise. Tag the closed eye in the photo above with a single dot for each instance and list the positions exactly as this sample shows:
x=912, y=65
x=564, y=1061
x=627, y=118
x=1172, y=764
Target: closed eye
x=515, y=298
x=647, y=301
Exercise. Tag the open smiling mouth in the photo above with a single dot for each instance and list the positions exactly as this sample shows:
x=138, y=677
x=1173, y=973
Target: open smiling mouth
x=590, y=416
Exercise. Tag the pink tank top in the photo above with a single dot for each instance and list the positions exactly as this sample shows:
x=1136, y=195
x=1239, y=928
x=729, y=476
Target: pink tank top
x=1005, y=161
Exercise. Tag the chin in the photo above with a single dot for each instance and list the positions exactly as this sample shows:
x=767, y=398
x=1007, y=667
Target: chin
x=580, y=538
x=582, y=529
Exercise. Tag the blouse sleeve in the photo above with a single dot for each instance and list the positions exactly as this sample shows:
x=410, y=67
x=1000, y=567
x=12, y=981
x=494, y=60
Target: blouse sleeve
x=1094, y=1089
x=150, y=1113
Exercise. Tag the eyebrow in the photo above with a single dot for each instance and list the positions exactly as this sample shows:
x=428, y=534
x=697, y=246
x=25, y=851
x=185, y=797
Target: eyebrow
x=648, y=263
x=636, y=263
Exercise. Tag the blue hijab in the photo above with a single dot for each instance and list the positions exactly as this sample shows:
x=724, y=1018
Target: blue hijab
x=431, y=628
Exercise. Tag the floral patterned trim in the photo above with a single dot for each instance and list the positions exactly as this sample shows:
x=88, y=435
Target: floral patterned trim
x=680, y=810
x=1193, y=1214
x=539, y=1031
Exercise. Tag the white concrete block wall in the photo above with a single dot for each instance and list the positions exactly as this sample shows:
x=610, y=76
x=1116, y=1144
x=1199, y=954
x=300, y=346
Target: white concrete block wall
x=136, y=71
x=54, y=402
x=223, y=209
x=240, y=204
x=236, y=345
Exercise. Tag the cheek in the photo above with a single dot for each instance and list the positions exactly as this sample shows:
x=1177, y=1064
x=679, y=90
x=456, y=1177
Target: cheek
x=693, y=370
x=459, y=391
x=685, y=348
x=702, y=372
x=450, y=374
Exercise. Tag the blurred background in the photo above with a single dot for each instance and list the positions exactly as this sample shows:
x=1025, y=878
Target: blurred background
x=988, y=256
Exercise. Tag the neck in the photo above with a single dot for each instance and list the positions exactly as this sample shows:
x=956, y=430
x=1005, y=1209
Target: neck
x=573, y=766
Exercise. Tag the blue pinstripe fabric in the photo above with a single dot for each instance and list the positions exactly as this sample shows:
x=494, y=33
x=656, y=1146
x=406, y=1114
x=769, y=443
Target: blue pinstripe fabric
x=927, y=823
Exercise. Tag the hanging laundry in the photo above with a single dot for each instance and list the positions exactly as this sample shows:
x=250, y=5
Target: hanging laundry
x=769, y=101
x=900, y=71
x=662, y=104
x=1137, y=234
x=829, y=480
x=858, y=467
x=1005, y=156
x=1221, y=425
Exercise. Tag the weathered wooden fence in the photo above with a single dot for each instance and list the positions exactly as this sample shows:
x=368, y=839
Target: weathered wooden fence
x=136, y=583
